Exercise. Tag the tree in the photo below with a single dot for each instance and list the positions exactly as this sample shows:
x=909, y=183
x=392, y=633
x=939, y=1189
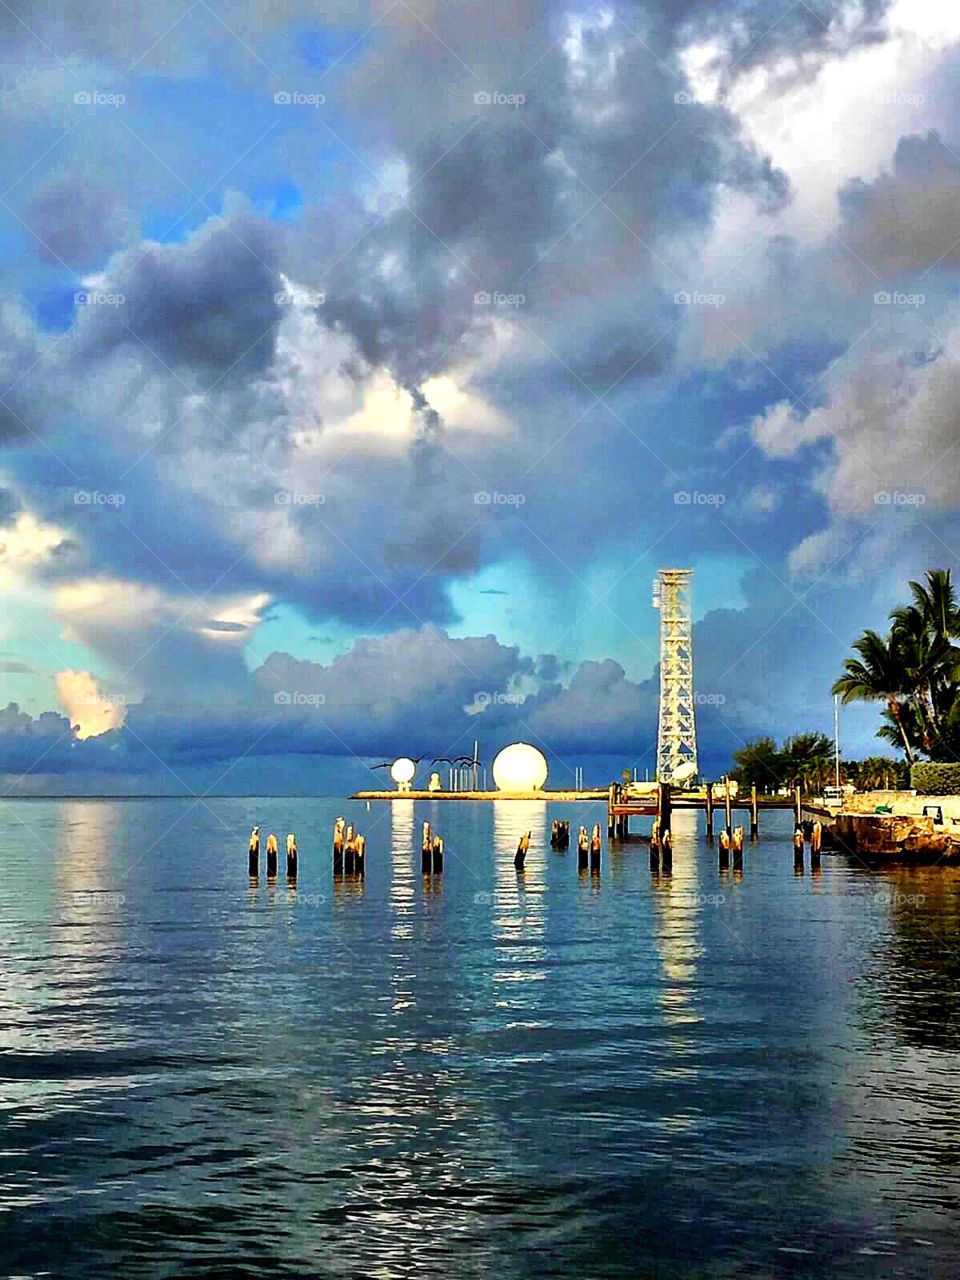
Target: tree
x=877, y=676
x=758, y=764
x=915, y=671
x=808, y=760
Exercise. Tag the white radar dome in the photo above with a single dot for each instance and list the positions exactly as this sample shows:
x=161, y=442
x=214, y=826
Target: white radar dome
x=402, y=770
x=520, y=767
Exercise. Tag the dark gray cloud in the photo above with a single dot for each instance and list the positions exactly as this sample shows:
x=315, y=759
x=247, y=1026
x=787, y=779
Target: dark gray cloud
x=906, y=219
x=76, y=222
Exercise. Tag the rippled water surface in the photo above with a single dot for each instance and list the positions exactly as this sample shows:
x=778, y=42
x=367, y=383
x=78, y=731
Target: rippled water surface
x=550, y=1074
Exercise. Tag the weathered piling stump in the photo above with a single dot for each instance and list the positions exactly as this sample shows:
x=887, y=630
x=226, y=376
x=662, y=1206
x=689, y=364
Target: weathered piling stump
x=736, y=847
x=816, y=843
x=359, y=855
x=338, y=840
x=520, y=856
x=723, y=849
x=583, y=849
x=596, y=845
x=272, y=856
x=350, y=853
x=666, y=848
x=612, y=796
x=754, y=814
x=560, y=835
x=253, y=854
x=426, y=851
x=728, y=808
x=437, y=858
x=291, y=856
x=798, y=848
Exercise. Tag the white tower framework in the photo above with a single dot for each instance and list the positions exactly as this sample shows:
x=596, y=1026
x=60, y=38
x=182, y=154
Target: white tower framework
x=677, y=734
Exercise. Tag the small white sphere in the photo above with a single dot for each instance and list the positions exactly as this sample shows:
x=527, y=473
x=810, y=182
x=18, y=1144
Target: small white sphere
x=402, y=770
x=520, y=767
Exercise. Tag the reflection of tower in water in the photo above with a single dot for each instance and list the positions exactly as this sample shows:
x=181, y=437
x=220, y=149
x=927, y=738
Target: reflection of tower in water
x=678, y=906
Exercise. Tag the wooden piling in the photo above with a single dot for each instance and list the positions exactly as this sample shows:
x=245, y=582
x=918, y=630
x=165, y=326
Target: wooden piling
x=611, y=816
x=360, y=855
x=816, y=842
x=291, y=856
x=583, y=848
x=664, y=809
x=426, y=856
x=437, y=859
x=272, y=856
x=797, y=806
x=754, y=814
x=727, y=808
x=253, y=854
x=338, y=834
x=709, y=810
x=521, y=854
x=798, y=848
x=736, y=846
x=596, y=845
x=723, y=849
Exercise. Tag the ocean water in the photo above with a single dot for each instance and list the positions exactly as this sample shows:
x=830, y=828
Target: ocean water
x=549, y=1074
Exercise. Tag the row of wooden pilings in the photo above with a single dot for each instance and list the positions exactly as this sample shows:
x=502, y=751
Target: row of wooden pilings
x=618, y=823
x=349, y=850
x=273, y=855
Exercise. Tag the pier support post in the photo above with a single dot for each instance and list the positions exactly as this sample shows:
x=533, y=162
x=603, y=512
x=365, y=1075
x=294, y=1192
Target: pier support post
x=291, y=856
x=272, y=852
x=709, y=811
x=798, y=849
x=596, y=845
x=611, y=817
x=253, y=856
x=797, y=806
x=664, y=810
x=754, y=814
x=728, y=808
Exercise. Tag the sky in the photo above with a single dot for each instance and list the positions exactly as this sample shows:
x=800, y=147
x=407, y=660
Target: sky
x=362, y=363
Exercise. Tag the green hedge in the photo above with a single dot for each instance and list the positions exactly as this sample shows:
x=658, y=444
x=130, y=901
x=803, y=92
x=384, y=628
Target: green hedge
x=935, y=779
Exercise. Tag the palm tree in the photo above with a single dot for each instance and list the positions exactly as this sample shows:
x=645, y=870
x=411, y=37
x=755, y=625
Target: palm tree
x=877, y=676
x=935, y=604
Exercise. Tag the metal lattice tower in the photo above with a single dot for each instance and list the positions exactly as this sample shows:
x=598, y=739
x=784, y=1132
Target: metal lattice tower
x=677, y=734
